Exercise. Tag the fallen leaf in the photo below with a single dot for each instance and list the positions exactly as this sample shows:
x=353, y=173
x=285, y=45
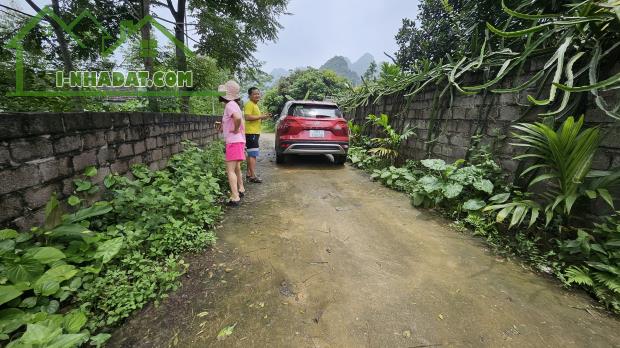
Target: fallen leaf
x=261, y=304
x=202, y=314
x=440, y=316
x=407, y=333
x=228, y=270
x=225, y=332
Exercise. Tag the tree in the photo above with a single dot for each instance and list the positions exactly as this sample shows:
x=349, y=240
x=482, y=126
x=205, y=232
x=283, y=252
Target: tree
x=312, y=84
x=225, y=27
x=230, y=30
x=371, y=72
x=446, y=27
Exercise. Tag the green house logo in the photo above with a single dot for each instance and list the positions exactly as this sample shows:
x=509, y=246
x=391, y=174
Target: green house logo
x=90, y=81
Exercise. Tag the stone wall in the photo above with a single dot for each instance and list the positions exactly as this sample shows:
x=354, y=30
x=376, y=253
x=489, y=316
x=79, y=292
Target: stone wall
x=41, y=153
x=449, y=132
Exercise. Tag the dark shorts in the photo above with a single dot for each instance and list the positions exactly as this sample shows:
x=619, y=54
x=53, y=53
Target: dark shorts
x=251, y=144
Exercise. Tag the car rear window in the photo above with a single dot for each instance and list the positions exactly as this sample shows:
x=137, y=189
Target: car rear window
x=314, y=111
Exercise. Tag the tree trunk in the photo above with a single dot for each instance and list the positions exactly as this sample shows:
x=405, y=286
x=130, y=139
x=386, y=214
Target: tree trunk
x=179, y=34
x=63, y=44
x=145, y=33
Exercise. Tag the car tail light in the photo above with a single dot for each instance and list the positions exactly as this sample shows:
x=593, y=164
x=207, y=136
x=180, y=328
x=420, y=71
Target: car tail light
x=341, y=128
x=291, y=126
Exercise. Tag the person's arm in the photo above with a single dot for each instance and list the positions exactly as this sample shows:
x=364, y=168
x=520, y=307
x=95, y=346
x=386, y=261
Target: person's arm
x=250, y=113
x=237, y=121
x=253, y=117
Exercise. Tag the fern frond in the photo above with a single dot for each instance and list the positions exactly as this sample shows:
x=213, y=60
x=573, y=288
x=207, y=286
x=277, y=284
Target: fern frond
x=611, y=281
x=579, y=276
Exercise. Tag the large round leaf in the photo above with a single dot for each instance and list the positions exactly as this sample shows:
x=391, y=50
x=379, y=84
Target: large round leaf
x=484, y=185
x=8, y=292
x=7, y=234
x=74, y=321
x=12, y=319
x=108, y=249
x=474, y=204
x=7, y=246
x=44, y=255
x=430, y=183
x=40, y=334
x=452, y=190
x=24, y=271
x=67, y=340
x=46, y=287
x=434, y=164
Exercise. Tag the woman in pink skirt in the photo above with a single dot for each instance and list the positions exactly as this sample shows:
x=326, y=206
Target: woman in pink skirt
x=234, y=133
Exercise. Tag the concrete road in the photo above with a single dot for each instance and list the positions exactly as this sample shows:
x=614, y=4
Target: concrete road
x=320, y=256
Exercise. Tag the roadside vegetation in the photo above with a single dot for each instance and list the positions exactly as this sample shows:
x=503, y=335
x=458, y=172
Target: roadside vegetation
x=303, y=84
x=94, y=262
x=558, y=213
x=555, y=231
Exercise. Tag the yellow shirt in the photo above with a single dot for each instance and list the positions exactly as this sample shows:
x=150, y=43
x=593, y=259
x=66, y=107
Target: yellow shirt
x=251, y=109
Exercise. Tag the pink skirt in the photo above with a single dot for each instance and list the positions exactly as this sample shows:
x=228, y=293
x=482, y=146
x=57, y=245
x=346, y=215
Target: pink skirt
x=235, y=152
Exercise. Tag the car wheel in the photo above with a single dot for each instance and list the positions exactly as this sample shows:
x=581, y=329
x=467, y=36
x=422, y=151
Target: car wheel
x=279, y=158
x=340, y=159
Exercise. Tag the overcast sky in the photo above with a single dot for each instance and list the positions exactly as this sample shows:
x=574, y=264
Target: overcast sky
x=317, y=30
x=320, y=29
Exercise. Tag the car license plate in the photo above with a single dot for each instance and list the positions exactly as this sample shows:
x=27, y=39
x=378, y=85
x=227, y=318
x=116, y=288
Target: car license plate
x=317, y=133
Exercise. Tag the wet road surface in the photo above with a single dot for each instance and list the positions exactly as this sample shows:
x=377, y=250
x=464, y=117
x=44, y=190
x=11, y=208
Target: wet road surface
x=319, y=256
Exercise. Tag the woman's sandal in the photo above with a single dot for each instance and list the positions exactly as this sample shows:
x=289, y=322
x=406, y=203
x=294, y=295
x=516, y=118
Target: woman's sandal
x=241, y=194
x=232, y=203
x=255, y=180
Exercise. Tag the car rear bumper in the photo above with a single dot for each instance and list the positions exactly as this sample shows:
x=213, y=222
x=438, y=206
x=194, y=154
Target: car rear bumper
x=312, y=148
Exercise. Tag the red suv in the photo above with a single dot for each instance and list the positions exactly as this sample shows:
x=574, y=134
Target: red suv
x=312, y=128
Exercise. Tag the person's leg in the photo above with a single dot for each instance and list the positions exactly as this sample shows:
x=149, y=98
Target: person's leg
x=253, y=153
x=251, y=166
x=231, y=168
x=240, y=186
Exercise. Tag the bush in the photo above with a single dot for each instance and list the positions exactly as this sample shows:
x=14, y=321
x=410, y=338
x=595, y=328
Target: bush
x=595, y=259
x=103, y=261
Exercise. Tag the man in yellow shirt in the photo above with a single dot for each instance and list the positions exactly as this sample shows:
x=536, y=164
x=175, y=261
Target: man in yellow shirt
x=253, y=119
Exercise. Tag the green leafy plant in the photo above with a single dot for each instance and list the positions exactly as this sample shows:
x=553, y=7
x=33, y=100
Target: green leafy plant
x=443, y=183
x=93, y=266
x=576, y=39
x=595, y=259
x=360, y=158
x=42, y=270
x=399, y=179
x=564, y=159
x=387, y=147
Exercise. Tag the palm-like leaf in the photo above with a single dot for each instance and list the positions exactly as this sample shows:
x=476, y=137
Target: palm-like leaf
x=563, y=156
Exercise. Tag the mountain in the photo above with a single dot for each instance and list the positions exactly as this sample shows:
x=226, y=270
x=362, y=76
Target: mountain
x=361, y=65
x=276, y=74
x=340, y=66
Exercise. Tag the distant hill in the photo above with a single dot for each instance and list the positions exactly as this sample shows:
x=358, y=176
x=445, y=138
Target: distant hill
x=276, y=74
x=362, y=64
x=341, y=66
